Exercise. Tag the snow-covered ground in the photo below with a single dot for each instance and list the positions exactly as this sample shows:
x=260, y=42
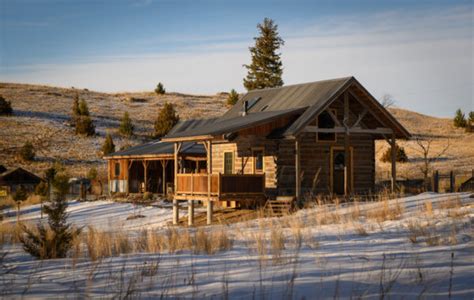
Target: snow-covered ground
x=356, y=257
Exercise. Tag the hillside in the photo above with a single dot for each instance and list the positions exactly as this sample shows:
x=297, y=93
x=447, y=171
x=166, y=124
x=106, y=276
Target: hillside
x=42, y=114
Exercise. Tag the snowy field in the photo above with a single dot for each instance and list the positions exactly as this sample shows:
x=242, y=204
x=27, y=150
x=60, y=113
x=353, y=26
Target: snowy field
x=345, y=251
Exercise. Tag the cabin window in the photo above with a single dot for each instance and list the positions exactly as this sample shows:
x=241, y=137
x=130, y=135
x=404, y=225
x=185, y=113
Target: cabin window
x=325, y=121
x=117, y=169
x=258, y=161
x=228, y=162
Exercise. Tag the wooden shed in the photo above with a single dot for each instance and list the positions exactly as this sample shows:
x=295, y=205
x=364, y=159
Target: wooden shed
x=12, y=179
x=297, y=140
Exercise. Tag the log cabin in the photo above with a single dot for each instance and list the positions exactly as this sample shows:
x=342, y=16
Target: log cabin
x=297, y=140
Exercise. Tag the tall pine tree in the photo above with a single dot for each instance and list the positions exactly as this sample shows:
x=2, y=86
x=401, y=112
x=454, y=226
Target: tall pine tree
x=167, y=118
x=266, y=68
x=126, y=127
x=108, y=146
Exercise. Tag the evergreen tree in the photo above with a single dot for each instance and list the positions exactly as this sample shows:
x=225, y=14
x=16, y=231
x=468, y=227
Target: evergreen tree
x=126, y=127
x=27, y=152
x=233, y=97
x=160, y=90
x=167, y=118
x=471, y=117
x=401, y=156
x=54, y=240
x=108, y=146
x=5, y=107
x=92, y=174
x=266, y=68
x=83, y=108
x=460, y=119
x=85, y=126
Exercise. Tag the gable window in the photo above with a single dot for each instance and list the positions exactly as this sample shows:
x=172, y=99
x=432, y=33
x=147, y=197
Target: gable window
x=258, y=161
x=325, y=121
x=228, y=162
x=117, y=169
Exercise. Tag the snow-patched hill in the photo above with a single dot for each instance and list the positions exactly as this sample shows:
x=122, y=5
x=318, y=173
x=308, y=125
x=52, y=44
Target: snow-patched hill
x=411, y=247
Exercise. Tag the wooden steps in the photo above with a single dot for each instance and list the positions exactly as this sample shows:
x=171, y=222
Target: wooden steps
x=283, y=205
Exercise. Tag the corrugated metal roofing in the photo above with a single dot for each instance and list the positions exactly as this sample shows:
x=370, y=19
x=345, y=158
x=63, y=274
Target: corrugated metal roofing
x=237, y=123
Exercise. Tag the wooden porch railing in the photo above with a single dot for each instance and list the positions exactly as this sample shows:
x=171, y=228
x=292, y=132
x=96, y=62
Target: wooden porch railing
x=221, y=184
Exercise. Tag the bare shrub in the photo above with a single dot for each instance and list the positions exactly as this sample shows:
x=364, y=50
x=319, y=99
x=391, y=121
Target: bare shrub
x=385, y=211
x=277, y=244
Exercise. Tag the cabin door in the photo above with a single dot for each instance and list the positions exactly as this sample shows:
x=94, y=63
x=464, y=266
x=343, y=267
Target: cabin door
x=337, y=170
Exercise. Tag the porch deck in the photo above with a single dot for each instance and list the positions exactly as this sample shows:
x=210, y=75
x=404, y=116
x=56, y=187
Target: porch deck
x=223, y=187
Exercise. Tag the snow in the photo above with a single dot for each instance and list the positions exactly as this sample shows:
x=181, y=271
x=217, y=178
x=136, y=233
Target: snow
x=333, y=262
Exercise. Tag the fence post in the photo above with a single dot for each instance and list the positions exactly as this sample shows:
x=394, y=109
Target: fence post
x=452, y=182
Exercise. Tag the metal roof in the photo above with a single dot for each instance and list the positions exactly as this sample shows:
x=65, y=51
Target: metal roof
x=229, y=125
x=159, y=148
x=288, y=97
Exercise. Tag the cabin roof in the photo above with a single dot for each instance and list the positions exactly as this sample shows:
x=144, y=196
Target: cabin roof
x=228, y=125
x=18, y=176
x=308, y=99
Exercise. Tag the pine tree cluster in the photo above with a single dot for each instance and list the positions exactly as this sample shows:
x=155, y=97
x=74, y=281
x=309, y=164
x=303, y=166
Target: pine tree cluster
x=27, y=152
x=80, y=118
x=460, y=119
x=160, y=90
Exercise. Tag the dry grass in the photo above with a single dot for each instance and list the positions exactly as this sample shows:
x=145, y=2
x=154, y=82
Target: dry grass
x=385, y=211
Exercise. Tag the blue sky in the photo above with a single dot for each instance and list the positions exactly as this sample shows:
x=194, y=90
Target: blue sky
x=420, y=52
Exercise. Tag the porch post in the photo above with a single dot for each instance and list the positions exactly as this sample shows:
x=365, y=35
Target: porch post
x=190, y=212
x=129, y=165
x=393, y=146
x=347, y=162
x=175, y=201
x=145, y=167
x=209, y=185
x=163, y=179
x=297, y=169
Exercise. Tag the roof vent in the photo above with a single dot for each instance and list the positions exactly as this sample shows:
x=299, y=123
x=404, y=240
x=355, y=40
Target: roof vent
x=244, y=108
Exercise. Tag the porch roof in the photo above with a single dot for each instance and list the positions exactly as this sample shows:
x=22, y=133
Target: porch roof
x=157, y=148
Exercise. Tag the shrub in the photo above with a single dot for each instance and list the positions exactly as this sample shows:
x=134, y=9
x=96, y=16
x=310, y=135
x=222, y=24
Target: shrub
x=167, y=118
x=460, y=119
x=19, y=196
x=5, y=107
x=160, y=90
x=401, y=155
x=27, y=152
x=232, y=98
x=108, y=146
x=83, y=108
x=85, y=126
x=75, y=112
x=126, y=127
x=61, y=185
x=42, y=189
x=471, y=117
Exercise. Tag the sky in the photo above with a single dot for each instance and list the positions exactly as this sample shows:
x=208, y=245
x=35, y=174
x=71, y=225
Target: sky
x=419, y=52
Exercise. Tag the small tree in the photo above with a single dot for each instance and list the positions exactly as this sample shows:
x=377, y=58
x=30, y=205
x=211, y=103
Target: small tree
x=167, y=118
x=233, y=97
x=5, y=107
x=108, y=146
x=19, y=196
x=42, y=190
x=460, y=119
x=55, y=239
x=27, y=152
x=160, y=90
x=126, y=127
x=401, y=156
x=85, y=126
x=387, y=101
x=75, y=111
x=83, y=108
x=266, y=68
x=471, y=117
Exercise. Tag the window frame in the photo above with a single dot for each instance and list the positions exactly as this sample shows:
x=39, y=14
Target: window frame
x=254, y=160
x=233, y=162
x=334, y=111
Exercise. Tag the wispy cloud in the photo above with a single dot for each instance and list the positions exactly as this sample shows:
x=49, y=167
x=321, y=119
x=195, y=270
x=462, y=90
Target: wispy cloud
x=419, y=57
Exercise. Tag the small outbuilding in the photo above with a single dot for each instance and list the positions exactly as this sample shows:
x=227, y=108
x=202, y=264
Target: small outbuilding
x=10, y=180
